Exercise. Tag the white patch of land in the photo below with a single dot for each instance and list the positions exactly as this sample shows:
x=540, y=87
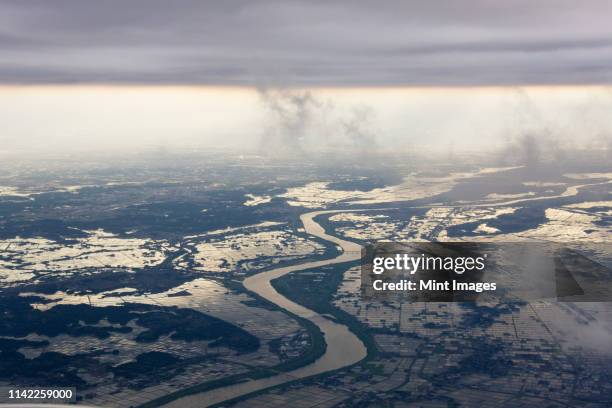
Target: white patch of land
x=206, y=296
x=586, y=176
x=12, y=191
x=318, y=195
x=366, y=227
x=315, y=195
x=567, y=226
x=496, y=196
x=440, y=218
x=355, y=217
x=428, y=226
x=248, y=249
x=591, y=204
x=412, y=188
x=542, y=184
x=22, y=257
x=227, y=230
x=16, y=192
x=254, y=200
x=485, y=229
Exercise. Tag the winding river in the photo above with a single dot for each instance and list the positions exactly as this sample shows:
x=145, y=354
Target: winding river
x=343, y=347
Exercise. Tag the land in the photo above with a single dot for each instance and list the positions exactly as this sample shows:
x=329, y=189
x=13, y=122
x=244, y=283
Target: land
x=108, y=269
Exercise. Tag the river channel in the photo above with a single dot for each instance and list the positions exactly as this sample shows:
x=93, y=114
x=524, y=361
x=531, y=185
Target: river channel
x=343, y=347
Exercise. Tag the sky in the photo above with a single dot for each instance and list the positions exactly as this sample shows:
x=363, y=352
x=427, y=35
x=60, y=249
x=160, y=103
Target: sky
x=306, y=42
x=286, y=74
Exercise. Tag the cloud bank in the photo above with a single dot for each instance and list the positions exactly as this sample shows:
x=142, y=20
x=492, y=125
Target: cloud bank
x=306, y=43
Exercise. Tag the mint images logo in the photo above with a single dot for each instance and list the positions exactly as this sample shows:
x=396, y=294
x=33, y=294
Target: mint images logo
x=488, y=272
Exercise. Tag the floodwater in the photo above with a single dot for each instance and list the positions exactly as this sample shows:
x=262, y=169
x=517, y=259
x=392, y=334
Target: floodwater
x=343, y=347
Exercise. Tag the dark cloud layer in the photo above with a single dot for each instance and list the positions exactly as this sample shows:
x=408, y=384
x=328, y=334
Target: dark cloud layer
x=307, y=42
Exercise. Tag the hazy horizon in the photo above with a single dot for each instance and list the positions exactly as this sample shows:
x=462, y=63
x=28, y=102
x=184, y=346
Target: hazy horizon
x=84, y=118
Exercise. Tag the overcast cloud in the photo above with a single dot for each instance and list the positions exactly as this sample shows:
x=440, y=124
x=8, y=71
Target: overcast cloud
x=306, y=43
